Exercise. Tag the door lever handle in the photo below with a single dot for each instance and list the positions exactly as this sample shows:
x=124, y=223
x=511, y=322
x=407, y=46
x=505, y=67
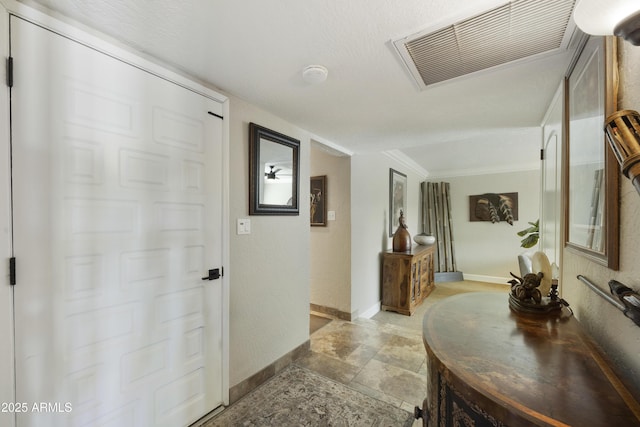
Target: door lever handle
x=213, y=274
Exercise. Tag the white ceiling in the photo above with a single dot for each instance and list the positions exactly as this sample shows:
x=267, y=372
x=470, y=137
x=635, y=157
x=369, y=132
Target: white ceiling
x=256, y=50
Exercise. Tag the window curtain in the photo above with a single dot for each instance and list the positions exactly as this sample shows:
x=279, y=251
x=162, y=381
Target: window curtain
x=436, y=221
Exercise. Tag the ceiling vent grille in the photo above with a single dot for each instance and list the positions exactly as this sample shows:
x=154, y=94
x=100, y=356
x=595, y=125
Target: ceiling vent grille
x=517, y=30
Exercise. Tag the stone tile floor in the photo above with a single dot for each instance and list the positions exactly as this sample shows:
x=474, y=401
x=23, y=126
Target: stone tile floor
x=382, y=357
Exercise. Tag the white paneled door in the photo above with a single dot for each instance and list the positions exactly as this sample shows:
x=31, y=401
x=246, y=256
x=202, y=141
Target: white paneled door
x=117, y=212
x=551, y=183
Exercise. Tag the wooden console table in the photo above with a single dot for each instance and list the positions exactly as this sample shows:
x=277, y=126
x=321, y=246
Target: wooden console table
x=407, y=278
x=488, y=366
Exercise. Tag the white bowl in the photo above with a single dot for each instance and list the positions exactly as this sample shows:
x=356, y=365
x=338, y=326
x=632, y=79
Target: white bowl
x=424, y=239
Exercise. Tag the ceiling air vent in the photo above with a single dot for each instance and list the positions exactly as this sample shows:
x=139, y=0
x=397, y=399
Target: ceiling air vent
x=512, y=32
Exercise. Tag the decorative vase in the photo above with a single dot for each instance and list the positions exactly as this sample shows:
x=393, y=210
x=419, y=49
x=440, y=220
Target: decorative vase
x=424, y=239
x=401, y=238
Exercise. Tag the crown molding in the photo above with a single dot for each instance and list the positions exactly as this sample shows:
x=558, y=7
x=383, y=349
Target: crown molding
x=408, y=162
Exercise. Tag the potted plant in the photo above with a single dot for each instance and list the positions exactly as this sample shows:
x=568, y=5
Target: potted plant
x=531, y=235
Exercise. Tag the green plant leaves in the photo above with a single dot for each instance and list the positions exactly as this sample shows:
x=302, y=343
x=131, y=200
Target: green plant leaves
x=532, y=235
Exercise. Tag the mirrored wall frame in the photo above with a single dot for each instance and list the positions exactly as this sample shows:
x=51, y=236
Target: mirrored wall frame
x=591, y=178
x=274, y=173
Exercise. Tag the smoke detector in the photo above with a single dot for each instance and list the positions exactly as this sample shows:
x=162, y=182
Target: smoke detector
x=314, y=74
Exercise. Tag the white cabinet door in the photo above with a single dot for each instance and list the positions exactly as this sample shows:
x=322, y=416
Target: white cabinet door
x=117, y=205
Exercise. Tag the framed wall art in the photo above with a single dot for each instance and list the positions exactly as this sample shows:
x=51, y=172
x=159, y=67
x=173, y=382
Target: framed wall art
x=494, y=207
x=318, y=202
x=397, y=198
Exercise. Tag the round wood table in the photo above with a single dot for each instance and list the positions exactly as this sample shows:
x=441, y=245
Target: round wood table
x=488, y=365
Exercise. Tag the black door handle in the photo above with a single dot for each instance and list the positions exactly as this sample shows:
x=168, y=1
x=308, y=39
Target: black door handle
x=213, y=274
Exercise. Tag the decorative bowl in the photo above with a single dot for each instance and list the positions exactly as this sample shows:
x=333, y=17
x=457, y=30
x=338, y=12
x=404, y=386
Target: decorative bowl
x=424, y=239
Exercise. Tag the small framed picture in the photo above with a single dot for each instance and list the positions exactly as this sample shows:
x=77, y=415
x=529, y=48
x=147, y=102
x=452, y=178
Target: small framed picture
x=318, y=204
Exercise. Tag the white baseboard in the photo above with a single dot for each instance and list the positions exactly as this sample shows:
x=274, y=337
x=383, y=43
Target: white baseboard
x=371, y=311
x=488, y=279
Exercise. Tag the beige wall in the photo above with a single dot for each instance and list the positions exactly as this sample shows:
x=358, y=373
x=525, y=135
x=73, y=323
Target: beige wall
x=487, y=251
x=269, y=271
x=370, y=226
x=330, y=266
x=617, y=335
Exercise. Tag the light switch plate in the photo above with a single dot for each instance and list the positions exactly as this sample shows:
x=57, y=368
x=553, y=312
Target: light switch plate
x=331, y=216
x=244, y=226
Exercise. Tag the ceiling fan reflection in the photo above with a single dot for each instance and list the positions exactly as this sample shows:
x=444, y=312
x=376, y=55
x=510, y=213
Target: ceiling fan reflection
x=272, y=173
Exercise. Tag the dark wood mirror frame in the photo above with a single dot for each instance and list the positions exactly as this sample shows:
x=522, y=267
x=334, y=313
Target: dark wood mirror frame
x=609, y=255
x=257, y=135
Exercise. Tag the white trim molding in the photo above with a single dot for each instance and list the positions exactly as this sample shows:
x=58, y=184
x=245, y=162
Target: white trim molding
x=407, y=161
x=370, y=312
x=488, y=279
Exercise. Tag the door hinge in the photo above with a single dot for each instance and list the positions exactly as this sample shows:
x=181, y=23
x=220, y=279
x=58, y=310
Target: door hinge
x=542, y=154
x=12, y=271
x=10, y=71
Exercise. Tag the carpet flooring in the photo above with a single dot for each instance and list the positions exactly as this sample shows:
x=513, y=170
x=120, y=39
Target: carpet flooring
x=299, y=397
